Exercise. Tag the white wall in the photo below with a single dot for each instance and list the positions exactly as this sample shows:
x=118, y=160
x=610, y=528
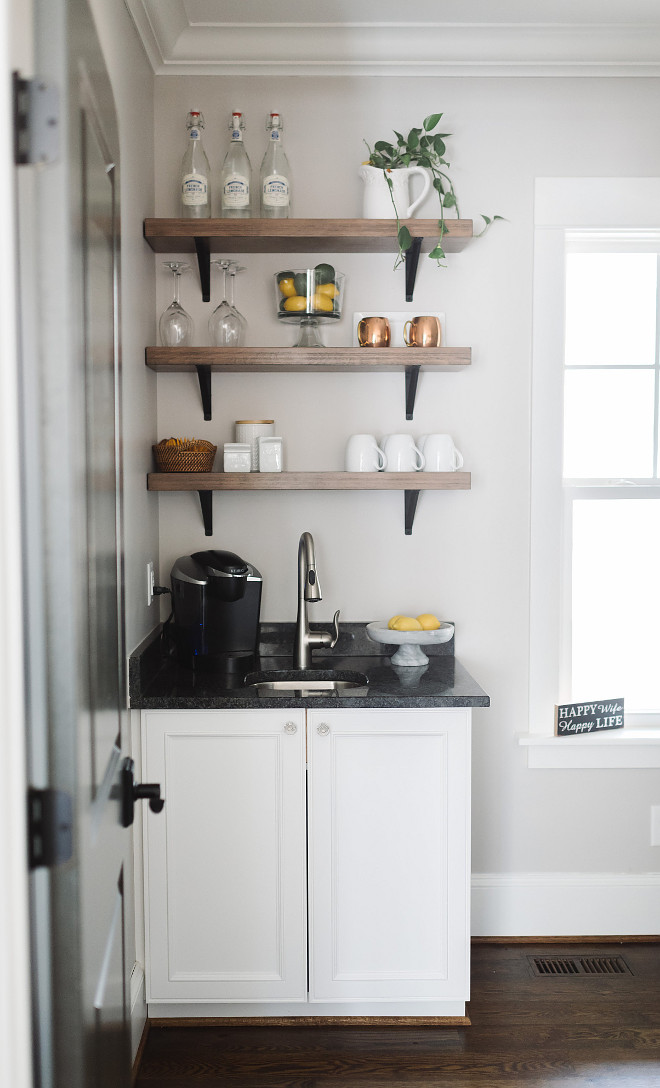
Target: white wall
x=468, y=557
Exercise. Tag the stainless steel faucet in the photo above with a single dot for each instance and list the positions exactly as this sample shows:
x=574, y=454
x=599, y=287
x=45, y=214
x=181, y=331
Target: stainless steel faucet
x=309, y=590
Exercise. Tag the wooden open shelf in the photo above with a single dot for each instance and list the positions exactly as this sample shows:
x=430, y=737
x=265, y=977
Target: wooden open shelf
x=308, y=360
x=411, y=483
x=299, y=235
x=207, y=236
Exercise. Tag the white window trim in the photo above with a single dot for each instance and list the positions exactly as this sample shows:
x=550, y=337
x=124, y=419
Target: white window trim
x=565, y=205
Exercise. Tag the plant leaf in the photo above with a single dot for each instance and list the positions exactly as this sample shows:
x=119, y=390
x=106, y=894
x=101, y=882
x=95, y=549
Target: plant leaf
x=449, y=201
x=431, y=121
x=437, y=185
x=437, y=254
x=439, y=146
x=382, y=146
x=404, y=238
x=413, y=138
x=400, y=139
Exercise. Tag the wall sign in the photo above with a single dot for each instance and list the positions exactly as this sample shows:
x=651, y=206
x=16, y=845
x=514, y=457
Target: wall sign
x=571, y=719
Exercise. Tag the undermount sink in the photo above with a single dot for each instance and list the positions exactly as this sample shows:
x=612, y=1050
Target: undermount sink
x=309, y=682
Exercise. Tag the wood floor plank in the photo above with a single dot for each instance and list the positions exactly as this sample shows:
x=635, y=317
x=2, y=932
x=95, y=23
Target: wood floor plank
x=555, y=1032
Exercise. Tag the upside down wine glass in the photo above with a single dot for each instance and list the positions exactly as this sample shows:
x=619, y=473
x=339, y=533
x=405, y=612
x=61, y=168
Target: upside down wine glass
x=175, y=325
x=226, y=325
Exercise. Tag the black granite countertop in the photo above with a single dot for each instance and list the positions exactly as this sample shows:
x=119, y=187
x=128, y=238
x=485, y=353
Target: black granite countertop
x=158, y=681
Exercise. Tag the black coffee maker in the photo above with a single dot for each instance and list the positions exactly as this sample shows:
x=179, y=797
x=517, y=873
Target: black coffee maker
x=216, y=598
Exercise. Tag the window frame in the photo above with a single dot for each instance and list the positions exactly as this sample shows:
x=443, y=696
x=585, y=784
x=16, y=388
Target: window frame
x=582, y=210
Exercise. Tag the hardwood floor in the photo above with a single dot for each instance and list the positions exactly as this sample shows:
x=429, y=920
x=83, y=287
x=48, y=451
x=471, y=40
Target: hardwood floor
x=531, y=1032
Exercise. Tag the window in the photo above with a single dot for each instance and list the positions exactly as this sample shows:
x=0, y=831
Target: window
x=595, y=465
x=610, y=633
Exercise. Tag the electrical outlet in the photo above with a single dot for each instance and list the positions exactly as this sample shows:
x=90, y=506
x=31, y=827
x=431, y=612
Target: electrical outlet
x=655, y=825
x=151, y=581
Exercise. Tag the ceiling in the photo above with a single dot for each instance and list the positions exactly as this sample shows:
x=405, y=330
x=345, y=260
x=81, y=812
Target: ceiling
x=370, y=37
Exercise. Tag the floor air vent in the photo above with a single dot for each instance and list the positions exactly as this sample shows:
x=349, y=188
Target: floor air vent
x=565, y=966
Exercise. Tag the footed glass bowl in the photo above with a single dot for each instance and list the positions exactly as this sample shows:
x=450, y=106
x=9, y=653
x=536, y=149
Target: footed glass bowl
x=409, y=642
x=309, y=297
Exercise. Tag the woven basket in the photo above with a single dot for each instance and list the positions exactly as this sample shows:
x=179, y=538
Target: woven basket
x=185, y=455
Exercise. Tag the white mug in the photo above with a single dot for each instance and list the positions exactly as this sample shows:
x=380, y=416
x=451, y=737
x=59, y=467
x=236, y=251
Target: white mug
x=363, y=454
x=440, y=453
x=402, y=454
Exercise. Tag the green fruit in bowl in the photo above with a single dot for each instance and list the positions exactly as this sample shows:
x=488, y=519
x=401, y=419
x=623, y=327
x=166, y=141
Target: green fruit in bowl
x=324, y=273
x=286, y=275
x=300, y=283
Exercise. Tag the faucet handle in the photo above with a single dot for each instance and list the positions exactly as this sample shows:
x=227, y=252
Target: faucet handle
x=335, y=624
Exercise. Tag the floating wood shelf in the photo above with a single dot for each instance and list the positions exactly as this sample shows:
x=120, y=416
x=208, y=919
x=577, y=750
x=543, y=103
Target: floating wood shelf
x=411, y=483
x=308, y=360
x=206, y=236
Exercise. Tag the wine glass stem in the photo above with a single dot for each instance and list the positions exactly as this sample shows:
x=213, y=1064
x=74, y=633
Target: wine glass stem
x=231, y=290
x=177, y=277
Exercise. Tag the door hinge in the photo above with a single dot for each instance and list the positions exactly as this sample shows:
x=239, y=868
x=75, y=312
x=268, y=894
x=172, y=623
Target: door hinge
x=50, y=827
x=36, y=121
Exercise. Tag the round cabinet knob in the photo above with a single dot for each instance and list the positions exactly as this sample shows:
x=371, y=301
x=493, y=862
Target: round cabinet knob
x=290, y=727
x=323, y=729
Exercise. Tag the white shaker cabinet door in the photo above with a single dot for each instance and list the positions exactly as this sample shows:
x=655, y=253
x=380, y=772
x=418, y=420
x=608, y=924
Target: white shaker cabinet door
x=225, y=860
x=389, y=855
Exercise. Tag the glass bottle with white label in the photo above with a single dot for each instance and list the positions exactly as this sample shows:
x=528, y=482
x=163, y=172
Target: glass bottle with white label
x=195, y=172
x=236, y=174
x=275, y=174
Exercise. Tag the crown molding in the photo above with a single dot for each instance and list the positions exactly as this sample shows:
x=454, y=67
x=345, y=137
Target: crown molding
x=179, y=42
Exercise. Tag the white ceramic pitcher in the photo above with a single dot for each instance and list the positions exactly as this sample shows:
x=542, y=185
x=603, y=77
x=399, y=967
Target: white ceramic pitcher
x=377, y=202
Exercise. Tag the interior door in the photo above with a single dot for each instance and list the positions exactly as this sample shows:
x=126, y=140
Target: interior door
x=74, y=586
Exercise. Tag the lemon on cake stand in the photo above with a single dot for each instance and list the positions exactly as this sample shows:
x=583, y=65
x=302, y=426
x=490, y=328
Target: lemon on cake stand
x=409, y=642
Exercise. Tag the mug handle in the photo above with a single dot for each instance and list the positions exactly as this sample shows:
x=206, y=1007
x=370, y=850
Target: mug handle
x=427, y=185
x=359, y=335
x=422, y=459
x=458, y=459
x=382, y=459
x=407, y=341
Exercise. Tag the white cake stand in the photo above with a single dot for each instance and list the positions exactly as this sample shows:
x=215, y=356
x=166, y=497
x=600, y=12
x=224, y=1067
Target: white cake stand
x=409, y=642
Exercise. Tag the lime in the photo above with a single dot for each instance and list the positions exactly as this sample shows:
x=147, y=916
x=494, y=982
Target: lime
x=300, y=282
x=325, y=273
x=286, y=275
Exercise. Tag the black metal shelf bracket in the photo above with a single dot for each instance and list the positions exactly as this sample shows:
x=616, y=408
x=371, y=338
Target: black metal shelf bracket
x=412, y=260
x=206, y=503
x=204, y=376
x=412, y=374
x=203, y=251
x=410, y=505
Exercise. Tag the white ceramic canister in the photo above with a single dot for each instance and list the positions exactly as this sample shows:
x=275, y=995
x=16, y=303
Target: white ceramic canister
x=250, y=430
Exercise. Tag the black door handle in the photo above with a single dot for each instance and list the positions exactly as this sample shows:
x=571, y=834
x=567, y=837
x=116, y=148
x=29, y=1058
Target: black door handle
x=132, y=792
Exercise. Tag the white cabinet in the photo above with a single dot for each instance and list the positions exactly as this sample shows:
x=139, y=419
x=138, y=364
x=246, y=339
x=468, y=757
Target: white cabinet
x=389, y=804
x=225, y=882
x=373, y=877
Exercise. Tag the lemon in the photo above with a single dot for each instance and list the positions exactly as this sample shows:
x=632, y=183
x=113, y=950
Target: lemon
x=428, y=621
x=329, y=289
x=322, y=302
x=286, y=286
x=295, y=303
x=390, y=623
x=406, y=623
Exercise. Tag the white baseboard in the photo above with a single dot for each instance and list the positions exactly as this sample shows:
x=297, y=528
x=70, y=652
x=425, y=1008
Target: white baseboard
x=565, y=904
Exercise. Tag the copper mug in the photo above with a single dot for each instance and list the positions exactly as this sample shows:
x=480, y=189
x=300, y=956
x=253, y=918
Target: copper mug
x=373, y=332
x=425, y=332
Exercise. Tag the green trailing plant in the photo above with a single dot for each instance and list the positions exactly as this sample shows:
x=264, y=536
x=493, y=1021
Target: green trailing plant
x=421, y=147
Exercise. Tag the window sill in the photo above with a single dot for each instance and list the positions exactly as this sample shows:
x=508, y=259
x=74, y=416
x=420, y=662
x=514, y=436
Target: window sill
x=625, y=748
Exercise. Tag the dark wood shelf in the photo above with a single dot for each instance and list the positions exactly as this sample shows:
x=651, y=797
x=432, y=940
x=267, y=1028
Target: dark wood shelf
x=207, y=236
x=307, y=360
x=299, y=235
x=411, y=483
